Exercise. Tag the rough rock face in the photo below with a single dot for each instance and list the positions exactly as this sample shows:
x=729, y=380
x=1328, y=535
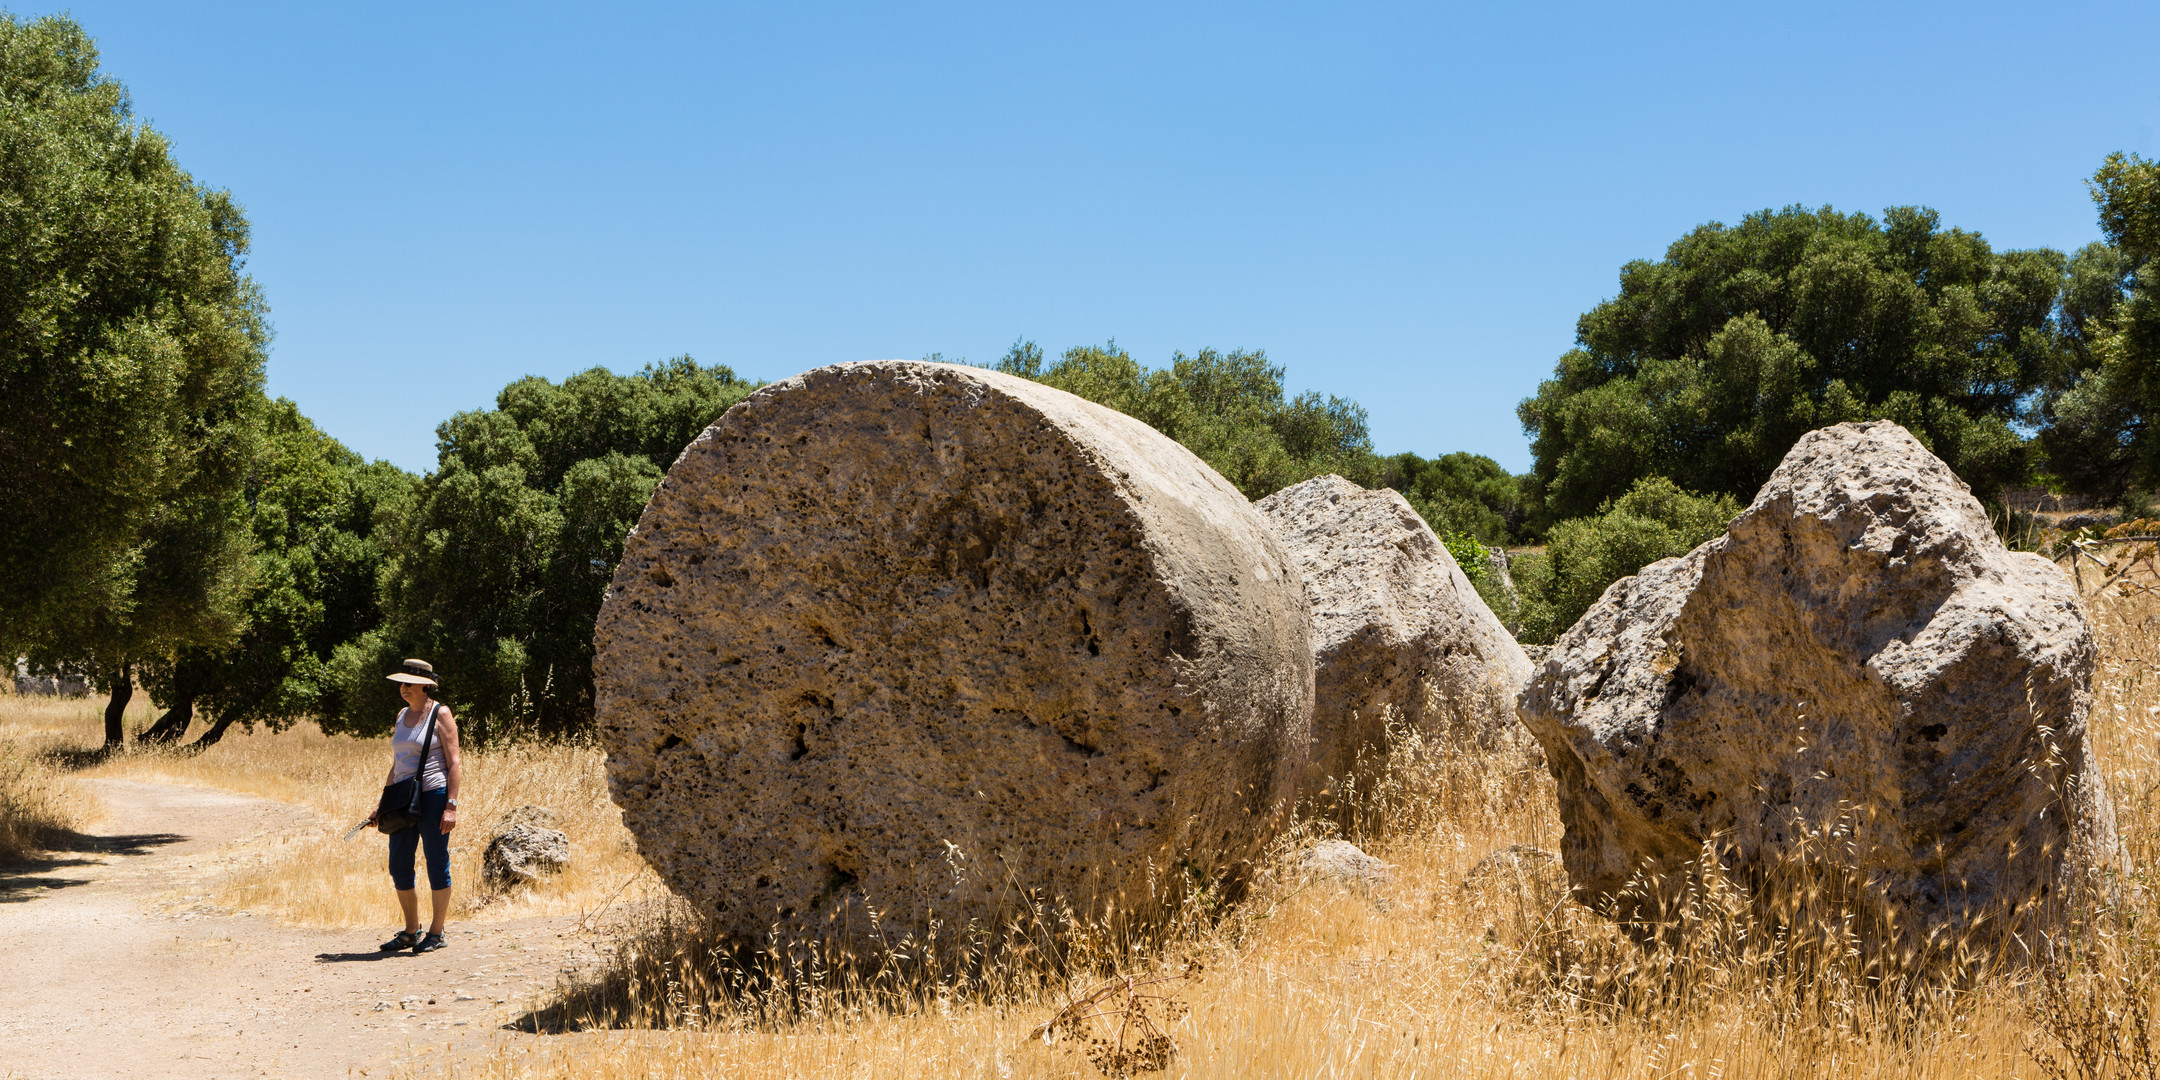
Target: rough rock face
x=521, y=854
x=924, y=638
x=1396, y=626
x=1341, y=860
x=1859, y=650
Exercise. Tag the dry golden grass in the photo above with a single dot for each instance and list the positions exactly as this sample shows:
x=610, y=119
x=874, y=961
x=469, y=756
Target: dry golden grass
x=1419, y=977
x=39, y=804
x=313, y=877
x=1427, y=977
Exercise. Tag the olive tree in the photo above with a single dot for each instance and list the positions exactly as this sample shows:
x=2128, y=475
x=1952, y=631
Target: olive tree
x=1714, y=360
x=131, y=355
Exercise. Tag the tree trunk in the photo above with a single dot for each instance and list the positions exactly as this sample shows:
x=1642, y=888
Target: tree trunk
x=123, y=690
x=173, y=724
x=216, y=732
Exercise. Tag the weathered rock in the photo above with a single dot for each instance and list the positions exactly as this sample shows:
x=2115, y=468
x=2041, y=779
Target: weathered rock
x=1396, y=628
x=1858, y=652
x=2100, y=519
x=523, y=848
x=1341, y=860
x=928, y=638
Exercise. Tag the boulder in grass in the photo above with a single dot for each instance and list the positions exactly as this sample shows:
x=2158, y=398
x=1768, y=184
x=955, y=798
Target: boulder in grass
x=1398, y=630
x=931, y=640
x=1859, y=681
x=524, y=848
x=1343, y=861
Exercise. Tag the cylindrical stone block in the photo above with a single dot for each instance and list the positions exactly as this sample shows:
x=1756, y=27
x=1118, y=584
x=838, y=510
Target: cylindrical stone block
x=937, y=642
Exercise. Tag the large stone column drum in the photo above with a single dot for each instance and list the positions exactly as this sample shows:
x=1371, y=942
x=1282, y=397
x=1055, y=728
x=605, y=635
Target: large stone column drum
x=1397, y=629
x=933, y=640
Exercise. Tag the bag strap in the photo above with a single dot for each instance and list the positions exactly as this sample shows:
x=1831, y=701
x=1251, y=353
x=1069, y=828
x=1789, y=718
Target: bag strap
x=420, y=770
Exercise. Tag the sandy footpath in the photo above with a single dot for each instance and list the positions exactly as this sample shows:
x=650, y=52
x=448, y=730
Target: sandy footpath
x=110, y=966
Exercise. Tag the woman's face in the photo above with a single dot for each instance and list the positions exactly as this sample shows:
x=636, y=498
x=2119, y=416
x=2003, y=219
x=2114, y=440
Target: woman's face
x=414, y=693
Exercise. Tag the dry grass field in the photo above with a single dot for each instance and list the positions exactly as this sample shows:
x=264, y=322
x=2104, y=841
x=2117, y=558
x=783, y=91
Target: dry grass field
x=39, y=804
x=318, y=878
x=1423, y=976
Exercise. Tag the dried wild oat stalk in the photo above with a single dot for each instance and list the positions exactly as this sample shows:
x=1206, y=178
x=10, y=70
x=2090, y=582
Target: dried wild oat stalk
x=1123, y=1023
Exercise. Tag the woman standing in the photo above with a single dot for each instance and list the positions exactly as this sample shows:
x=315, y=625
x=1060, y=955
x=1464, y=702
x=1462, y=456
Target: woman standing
x=440, y=777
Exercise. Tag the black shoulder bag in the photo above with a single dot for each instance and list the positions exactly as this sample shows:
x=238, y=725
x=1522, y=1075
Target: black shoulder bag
x=400, y=806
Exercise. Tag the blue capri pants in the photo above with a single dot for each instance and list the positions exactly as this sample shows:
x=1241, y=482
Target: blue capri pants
x=426, y=834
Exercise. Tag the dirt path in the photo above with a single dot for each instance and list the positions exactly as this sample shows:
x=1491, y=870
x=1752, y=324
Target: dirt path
x=110, y=972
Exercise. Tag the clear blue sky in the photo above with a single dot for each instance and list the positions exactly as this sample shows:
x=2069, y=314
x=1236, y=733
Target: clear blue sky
x=1408, y=205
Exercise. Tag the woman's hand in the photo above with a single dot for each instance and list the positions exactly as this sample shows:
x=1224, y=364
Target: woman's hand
x=449, y=819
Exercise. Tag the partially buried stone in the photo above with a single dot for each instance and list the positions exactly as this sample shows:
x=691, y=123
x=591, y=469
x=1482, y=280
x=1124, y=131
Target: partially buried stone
x=1398, y=630
x=1857, y=686
x=523, y=849
x=928, y=640
x=1341, y=860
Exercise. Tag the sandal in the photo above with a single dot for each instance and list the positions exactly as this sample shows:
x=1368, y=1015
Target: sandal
x=406, y=939
x=430, y=943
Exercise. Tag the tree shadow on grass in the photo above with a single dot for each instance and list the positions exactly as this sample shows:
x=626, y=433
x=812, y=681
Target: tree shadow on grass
x=76, y=758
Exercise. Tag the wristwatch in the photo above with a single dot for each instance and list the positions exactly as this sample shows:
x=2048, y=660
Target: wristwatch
x=452, y=804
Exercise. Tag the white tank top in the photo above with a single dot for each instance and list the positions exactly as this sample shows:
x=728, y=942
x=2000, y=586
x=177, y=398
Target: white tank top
x=405, y=752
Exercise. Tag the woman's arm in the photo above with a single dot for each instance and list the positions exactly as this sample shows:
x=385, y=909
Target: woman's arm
x=387, y=779
x=453, y=765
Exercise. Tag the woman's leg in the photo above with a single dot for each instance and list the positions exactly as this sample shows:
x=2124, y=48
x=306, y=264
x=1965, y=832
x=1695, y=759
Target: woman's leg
x=404, y=844
x=437, y=847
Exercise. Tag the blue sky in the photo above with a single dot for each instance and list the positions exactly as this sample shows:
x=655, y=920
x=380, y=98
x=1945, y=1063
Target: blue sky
x=1408, y=205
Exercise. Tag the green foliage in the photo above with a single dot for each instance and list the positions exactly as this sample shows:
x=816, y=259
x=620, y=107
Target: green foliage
x=1654, y=519
x=1468, y=554
x=1228, y=408
x=2099, y=410
x=1712, y=362
x=131, y=354
x=312, y=507
x=496, y=563
x=1459, y=493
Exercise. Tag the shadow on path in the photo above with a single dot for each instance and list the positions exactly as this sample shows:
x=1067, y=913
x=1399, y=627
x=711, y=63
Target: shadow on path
x=355, y=957
x=29, y=879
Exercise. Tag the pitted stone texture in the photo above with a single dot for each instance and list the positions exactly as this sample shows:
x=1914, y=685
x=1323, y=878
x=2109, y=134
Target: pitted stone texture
x=521, y=853
x=1396, y=626
x=928, y=638
x=1858, y=650
x=1341, y=860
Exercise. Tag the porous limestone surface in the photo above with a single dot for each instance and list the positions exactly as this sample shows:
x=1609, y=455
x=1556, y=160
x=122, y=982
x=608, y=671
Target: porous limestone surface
x=521, y=854
x=1397, y=629
x=1341, y=860
x=931, y=640
x=1856, y=685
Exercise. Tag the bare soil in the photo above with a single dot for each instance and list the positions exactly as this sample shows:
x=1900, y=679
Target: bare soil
x=116, y=966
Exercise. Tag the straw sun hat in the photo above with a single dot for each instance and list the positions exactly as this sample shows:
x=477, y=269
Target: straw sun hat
x=415, y=671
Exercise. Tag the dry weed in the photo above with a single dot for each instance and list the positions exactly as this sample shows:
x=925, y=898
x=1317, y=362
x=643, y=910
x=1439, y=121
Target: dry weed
x=39, y=806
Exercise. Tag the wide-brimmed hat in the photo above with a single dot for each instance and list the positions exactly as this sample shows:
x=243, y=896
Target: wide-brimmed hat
x=416, y=671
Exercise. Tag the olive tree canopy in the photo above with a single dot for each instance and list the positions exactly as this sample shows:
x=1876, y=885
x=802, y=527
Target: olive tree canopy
x=1714, y=360
x=131, y=355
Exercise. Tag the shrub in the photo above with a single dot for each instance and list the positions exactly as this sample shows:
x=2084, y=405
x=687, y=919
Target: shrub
x=1654, y=520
